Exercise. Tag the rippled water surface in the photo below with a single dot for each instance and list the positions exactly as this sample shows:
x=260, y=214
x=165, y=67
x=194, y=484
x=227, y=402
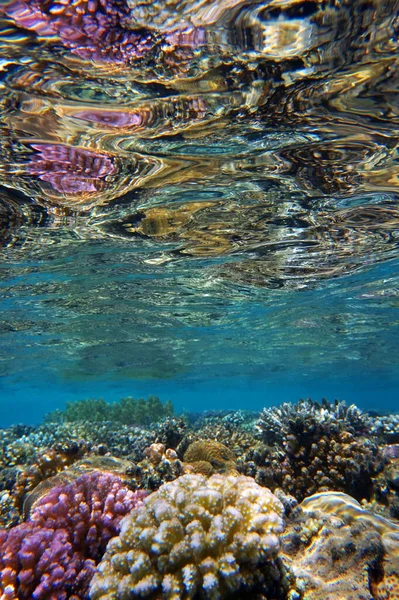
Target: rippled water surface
x=199, y=194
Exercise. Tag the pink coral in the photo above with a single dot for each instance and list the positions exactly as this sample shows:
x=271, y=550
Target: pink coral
x=53, y=555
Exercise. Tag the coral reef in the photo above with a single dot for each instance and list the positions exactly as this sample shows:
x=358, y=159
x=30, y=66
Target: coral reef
x=127, y=411
x=194, y=537
x=190, y=537
x=53, y=555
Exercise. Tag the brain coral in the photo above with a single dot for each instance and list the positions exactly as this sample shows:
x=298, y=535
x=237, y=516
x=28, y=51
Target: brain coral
x=194, y=537
x=208, y=456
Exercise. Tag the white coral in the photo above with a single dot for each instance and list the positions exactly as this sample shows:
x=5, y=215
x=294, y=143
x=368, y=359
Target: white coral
x=193, y=537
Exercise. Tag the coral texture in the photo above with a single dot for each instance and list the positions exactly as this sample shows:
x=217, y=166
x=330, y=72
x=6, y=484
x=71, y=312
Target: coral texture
x=331, y=558
x=53, y=555
x=275, y=424
x=194, y=537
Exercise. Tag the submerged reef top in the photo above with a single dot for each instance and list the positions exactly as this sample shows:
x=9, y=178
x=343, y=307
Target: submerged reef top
x=127, y=411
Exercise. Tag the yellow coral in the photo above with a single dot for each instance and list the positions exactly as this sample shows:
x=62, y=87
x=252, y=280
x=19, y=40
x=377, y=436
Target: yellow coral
x=194, y=537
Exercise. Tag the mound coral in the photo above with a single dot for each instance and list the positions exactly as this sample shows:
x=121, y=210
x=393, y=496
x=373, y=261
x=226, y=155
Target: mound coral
x=208, y=457
x=194, y=537
x=332, y=558
x=53, y=555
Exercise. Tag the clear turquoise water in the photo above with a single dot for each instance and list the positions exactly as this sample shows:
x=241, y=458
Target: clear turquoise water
x=215, y=223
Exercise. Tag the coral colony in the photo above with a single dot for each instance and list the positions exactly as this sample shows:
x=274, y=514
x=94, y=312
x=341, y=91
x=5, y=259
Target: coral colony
x=128, y=500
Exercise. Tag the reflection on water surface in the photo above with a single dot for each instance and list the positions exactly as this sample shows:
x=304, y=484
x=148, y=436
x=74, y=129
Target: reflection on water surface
x=198, y=183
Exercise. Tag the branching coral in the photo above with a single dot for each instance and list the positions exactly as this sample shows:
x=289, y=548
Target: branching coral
x=309, y=446
x=307, y=416
x=53, y=555
x=194, y=537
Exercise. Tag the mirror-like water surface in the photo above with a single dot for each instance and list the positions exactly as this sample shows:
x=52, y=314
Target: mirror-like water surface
x=198, y=191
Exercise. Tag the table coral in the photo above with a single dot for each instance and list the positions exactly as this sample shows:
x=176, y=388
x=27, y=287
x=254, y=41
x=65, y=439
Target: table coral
x=194, y=537
x=53, y=555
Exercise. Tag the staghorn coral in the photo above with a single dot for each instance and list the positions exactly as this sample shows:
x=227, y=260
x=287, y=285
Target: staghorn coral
x=343, y=462
x=53, y=555
x=194, y=537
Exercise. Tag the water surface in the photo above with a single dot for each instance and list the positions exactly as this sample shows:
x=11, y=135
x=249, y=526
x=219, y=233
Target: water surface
x=199, y=200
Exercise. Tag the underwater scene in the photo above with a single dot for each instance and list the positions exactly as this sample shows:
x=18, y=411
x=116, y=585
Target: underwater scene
x=199, y=293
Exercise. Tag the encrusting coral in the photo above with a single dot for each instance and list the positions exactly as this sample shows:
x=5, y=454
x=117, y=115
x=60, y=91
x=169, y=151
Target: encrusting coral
x=336, y=549
x=194, y=538
x=52, y=556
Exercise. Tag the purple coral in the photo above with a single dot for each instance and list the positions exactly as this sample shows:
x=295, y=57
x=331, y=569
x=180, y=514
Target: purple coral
x=71, y=170
x=93, y=29
x=54, y=554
